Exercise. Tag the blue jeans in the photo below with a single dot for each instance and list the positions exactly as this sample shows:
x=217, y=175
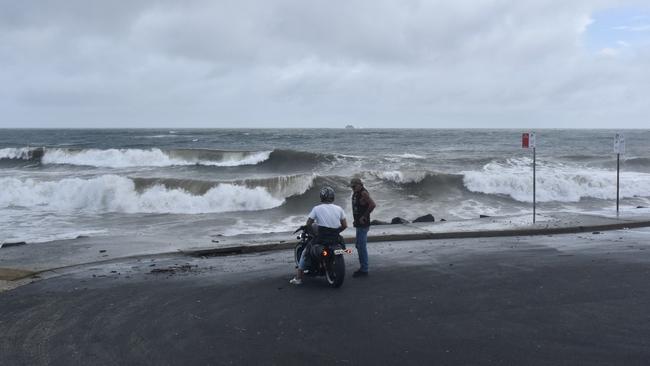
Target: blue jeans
x=302, y=263
x=362, y=247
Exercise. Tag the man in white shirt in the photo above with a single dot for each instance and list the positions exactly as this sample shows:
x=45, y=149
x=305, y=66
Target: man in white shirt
x=330, y=219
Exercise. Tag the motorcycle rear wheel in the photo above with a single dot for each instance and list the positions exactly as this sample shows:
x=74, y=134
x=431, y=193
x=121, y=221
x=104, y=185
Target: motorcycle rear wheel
x=335, y=273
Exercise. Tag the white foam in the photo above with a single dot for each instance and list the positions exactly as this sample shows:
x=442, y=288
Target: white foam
x=22, y=153
x=235, y=160
x=401, y=177
x=125, y=158
x=408, y=156
x=555, y=181
x=112, y=193
x=403, y=158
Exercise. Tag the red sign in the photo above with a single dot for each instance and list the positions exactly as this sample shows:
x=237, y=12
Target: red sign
x=525, y=140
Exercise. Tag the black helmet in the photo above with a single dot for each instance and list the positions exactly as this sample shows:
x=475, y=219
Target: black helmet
x=327, y=194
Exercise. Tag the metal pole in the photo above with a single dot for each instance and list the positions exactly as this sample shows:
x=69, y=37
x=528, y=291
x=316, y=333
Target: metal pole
x=618, y=157
x=534, y=200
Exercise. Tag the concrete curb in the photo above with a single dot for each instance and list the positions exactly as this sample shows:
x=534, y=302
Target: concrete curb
x=425, y=235
x=12, y=276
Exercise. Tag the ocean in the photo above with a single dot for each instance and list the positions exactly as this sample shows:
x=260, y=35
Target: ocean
x=193, y=183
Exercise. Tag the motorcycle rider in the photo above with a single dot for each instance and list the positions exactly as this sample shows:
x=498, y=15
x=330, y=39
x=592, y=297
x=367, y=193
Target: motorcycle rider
x=331, y=221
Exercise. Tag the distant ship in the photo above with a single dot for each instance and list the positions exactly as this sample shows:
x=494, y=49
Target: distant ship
x=349, y=127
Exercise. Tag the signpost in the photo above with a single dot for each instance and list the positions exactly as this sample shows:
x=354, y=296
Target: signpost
x=528, y=142
x=619, y=148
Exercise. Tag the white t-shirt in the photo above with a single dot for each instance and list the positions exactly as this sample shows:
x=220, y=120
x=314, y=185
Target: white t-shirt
x=328, y=215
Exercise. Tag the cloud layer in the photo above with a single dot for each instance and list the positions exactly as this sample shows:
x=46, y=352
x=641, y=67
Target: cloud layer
x=318, y=63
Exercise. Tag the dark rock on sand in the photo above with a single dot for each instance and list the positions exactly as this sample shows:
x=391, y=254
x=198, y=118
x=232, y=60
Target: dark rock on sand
x=483, y=216
x=398, y=220
x=6, y=245
x=425, y=218
x=641, y=207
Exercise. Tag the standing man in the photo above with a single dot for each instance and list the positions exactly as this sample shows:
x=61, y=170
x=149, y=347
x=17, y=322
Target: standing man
x=362, y=206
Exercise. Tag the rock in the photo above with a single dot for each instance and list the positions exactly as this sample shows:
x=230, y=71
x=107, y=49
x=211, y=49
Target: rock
x=641, y=207
x=425, y=218
x=596, y=232
x=103, y=251
x=398, y=220
x=483, y=216
x=443, y=220
x=6, y=245
x=378, y=222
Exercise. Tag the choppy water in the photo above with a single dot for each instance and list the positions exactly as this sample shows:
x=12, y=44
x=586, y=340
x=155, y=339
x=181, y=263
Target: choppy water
x=58, y=184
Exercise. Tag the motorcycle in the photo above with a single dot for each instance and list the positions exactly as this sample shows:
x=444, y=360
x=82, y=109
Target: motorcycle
x=325, y=257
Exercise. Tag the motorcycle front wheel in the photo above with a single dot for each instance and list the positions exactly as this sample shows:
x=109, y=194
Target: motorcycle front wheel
x=336, y=271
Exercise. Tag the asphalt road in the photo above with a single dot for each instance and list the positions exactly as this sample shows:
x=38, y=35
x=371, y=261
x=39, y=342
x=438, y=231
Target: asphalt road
x=560, y=300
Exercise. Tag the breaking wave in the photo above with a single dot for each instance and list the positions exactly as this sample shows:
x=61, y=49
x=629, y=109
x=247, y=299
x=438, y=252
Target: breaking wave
x=555, y=181
x=129, y=158
x=124, y=158
x=279, y=187
x=112, y=193
x=21, y=153
x=401, y=177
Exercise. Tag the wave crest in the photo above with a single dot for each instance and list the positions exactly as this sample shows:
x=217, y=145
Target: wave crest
x=279, y=187
x=555, y=181
x=21, y=153
x=125, y=158
x=401, y=177
x=112, y=193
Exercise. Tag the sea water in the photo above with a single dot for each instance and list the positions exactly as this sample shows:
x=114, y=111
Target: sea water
x=60, y=184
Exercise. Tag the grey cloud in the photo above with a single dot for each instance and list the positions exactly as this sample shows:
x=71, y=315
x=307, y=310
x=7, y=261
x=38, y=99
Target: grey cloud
x=286, y=63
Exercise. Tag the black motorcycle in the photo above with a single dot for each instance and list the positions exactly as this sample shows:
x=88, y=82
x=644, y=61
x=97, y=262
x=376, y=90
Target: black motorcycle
x=325, y=256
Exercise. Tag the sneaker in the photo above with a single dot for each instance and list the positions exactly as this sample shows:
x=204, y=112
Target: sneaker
x=296, y=281
x=359, y=273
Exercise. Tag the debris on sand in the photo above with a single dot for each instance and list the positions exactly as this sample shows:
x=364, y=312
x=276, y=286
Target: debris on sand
x=174, y=269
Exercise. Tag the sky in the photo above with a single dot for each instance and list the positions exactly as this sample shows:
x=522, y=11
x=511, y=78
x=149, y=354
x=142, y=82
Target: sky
x=316, y=63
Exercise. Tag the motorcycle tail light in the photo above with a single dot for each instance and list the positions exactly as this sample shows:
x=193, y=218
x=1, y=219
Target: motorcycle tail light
x=325, y=253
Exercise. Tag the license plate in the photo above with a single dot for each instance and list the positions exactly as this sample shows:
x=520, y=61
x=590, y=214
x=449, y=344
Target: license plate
x=341, y=251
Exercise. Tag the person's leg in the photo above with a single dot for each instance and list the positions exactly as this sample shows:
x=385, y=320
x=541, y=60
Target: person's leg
x=301, y=267
x=362, y=247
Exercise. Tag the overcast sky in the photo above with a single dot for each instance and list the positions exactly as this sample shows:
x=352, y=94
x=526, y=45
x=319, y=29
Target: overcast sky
x=313, y=63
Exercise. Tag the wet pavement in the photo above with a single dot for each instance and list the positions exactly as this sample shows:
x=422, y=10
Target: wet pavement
x=18, y=262
x=575, y=299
